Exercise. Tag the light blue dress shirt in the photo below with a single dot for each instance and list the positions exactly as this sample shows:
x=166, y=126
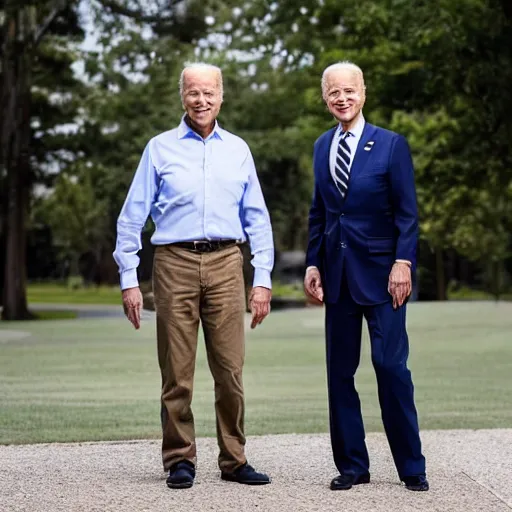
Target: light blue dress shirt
x=195, y=189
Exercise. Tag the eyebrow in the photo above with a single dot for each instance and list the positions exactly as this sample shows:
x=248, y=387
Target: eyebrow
x=195, y=88
x=337, y=88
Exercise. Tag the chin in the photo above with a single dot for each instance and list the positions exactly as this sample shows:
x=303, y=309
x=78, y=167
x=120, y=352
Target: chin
x=346, y=119
x=203, y=120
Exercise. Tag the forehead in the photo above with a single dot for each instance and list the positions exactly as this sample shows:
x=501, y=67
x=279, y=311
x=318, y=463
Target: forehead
x=342, y=78
x=201, y=78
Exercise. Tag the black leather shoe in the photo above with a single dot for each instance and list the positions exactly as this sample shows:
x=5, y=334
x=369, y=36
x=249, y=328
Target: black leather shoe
x=246, y=474
x=416, y=483
x=345, y=481
x=181, y=475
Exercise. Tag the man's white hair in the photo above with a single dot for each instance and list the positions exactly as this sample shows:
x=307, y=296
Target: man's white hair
x=202, y=66
x=342, y=65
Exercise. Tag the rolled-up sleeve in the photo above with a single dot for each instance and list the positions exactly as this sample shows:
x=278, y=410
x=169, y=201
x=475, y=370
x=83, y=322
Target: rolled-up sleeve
x=257, y=226
x=132, y=218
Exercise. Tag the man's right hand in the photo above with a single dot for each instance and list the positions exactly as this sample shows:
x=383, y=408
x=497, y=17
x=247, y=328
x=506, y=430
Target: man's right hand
x=313, y=285
x=132, y=305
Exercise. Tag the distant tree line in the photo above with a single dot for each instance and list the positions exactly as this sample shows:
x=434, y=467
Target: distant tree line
x=438, y=72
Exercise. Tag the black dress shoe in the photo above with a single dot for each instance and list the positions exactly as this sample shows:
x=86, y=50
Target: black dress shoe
x=181, y=475
x=345, y=481
x=416, y=483
x=246, y=474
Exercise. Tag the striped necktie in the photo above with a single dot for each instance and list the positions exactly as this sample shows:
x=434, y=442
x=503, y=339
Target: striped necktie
x=342, y=165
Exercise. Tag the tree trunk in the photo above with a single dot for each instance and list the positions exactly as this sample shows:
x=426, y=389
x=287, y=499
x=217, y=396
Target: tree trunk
x=14, y=151
x=15, y=298
x=440, y=276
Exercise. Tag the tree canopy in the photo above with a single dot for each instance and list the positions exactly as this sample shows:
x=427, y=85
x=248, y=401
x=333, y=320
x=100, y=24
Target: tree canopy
x=440, y=76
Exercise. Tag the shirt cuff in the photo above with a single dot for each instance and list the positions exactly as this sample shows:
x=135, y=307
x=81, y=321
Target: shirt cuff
x=129, y=279
x=262, y=278
x=404, y=261
x=311, y=266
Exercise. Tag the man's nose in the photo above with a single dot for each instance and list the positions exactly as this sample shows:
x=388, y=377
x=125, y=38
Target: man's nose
x=201, y=99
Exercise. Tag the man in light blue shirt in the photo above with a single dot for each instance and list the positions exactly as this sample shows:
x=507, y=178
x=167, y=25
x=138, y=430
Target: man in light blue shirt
x=199, y=184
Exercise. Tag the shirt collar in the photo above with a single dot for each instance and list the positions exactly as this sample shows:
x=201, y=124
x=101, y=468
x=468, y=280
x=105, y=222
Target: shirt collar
x=357, y=130
x=184, y=130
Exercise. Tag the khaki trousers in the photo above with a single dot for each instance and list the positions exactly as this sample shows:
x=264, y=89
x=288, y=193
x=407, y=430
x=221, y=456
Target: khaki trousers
x=190, y=287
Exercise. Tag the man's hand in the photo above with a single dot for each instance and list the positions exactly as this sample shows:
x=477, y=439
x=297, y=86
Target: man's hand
x=132, y=305
x=400, y=283
x=313, y=285
x=259, y=302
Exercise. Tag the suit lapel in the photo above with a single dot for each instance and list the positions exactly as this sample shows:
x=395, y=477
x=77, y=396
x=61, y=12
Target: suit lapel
x=361, y=156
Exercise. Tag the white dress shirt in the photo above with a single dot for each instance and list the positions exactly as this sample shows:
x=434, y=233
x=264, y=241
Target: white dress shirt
x=353, y=138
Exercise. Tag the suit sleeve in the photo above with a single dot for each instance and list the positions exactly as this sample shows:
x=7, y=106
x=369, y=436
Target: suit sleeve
x=403, y=196
x=316, y=227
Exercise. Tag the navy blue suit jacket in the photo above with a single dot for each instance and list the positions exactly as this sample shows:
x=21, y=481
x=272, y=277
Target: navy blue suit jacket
x=375, y=224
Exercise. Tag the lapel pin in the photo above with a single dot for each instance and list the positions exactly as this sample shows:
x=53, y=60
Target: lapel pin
x=369, y=145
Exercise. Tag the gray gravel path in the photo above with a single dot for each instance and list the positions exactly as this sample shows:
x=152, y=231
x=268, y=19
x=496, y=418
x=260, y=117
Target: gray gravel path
x=468, y=471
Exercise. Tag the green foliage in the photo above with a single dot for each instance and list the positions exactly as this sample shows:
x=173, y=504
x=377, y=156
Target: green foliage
x=55, y=315
x=130, y=93
x=439, y=75
x=75, y=215
x=288, y=291
x=455, y=292
x=57, y=293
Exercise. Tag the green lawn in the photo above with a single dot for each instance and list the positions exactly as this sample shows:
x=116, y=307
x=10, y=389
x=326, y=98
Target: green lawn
x=61, y=294
x=72, y=380
x=54, y=314
x=56, y=293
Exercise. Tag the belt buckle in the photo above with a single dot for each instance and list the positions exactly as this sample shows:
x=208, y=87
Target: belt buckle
x=202, y=246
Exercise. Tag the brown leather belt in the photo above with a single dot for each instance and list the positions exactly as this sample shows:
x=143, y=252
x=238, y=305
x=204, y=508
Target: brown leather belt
x=206, y=245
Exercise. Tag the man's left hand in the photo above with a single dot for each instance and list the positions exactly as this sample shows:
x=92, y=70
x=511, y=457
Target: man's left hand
x=259, y=302
x=400, y=283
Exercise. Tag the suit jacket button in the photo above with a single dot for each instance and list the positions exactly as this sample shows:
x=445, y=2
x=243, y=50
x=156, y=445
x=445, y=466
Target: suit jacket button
x=343, y=245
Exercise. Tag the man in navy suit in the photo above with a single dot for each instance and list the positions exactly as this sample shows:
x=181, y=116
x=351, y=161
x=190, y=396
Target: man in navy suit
x=363, y=230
